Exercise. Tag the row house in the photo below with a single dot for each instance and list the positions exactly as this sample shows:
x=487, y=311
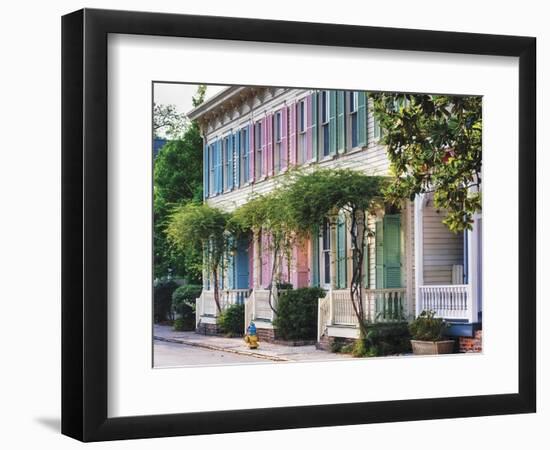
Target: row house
x=252, y=136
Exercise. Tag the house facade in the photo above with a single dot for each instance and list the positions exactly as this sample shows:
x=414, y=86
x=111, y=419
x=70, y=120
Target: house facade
x=252, y=137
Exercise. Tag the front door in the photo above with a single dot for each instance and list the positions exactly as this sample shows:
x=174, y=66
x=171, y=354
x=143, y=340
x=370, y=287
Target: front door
x=388, y=252
x=241, y=264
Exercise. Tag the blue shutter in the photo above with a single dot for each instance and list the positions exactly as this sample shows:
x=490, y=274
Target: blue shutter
x=314, y=129
x=205, y=171
x=341, y=121
x=332, y=122
x=237, y=141
x=230, y=153
x=362, y=119
x=220, y=166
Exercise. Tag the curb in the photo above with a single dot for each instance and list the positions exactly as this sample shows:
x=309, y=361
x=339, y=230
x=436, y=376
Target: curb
x=222, y=349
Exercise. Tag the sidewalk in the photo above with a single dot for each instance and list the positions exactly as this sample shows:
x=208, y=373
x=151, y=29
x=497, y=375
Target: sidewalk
x=266, y=350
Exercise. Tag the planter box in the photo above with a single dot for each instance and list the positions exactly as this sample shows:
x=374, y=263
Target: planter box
x=432, y=348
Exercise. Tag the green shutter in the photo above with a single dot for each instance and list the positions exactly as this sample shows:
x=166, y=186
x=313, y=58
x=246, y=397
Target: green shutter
x=366, y=265
x=379, y=254
x=362, y=119
x=315, y=256
x=341, y=123
x=341, y=281
x=392, y=251
x=332, y=122
x=314, y=130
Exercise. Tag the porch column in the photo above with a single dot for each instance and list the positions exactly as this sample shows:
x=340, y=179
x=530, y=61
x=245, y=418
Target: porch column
x=256, y=259
x=473, y=271
x=418, y=250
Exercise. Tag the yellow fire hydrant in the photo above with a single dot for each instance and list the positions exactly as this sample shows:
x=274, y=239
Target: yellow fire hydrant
x=251, y=337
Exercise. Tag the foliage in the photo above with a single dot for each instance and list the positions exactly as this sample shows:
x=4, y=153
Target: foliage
x=183, y=303
x=382, y=339
x=162, y=299
x=231, y=321
x=195, y=228
x=297, y=313
x=167, y=121
x=426, y=327
x=315, y=196
x=434, y=145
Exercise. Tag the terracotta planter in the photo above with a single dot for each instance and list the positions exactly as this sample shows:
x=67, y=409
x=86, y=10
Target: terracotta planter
x=432, y=348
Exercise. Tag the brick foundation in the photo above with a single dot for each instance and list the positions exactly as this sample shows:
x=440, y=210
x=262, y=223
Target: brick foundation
x=270, y=335
x=471, y=344
x=327, y=342
x=210, y=329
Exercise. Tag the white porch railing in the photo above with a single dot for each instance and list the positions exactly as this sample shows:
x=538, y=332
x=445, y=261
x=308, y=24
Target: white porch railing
x=447, y=301
x=256, y=307
x=379, y=305
x=206, y=305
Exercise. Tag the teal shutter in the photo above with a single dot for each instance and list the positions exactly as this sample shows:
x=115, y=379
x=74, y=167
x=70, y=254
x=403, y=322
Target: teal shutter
x=314, y=129
x=237, y=141
x=341, y=122
x=230, y=162
x=332, y=122
x=379, y=254
x=362, y=119
x=366, y=265
x=315, y=256
x=341, y=252
x=205, y=168
x=392, y=251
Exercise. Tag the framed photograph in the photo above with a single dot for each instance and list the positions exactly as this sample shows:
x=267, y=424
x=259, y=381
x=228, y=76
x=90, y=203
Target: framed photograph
x=273, y=224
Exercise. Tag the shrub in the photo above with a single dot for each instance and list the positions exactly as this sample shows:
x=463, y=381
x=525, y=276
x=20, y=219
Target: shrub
x=183, y=303
x=297, y=313
x=427, y=328
x=382, y=339
x=231, y=321
x=162, y=299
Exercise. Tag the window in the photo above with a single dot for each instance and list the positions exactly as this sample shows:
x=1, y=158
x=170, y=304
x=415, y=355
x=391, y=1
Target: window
x=278, y=139
x=225, y=153
x=243, y=142
x=353, y=102
x=325, y=254
x=258, y=149
x=211, y=163
x=302, y=128
x=325, y=107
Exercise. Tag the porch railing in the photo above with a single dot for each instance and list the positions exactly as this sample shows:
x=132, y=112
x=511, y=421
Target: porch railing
x=447, y=301
x=256, y=307
x=206, y=305
x=379, y=305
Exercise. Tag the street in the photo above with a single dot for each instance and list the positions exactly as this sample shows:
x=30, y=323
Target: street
x=169, y=354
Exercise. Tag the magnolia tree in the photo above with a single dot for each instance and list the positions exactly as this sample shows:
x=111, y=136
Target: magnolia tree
x=200, y=227
x=313, y=197
x=434, y=146
x=270, y=214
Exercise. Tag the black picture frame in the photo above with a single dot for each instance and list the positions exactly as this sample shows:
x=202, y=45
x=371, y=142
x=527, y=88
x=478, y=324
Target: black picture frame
x=84, y=224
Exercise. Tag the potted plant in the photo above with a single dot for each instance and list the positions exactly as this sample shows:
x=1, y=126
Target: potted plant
x=427, y=335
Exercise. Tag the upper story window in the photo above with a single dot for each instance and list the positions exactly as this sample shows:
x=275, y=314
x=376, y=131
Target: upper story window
x=243, y=151
x=278, y=141
x=258, y=150
x=302, y=128
x=353, y=118
x=324, y=135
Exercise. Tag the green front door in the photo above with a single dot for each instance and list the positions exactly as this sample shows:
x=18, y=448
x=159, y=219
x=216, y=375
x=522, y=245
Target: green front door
x=388, y=252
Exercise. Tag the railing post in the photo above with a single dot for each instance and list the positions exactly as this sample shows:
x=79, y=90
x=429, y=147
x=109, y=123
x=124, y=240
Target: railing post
x=330, y=307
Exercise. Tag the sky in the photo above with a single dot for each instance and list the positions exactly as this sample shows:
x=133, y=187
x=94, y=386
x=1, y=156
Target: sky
x=180, y=94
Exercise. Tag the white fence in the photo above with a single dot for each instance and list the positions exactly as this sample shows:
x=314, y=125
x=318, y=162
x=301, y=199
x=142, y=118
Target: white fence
x=448, y=301
x=206, y=305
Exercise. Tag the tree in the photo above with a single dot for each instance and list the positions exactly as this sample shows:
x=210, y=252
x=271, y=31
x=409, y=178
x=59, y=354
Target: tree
x=201, y=228
x=316, y=196
x=434, y=145
x=167, y=121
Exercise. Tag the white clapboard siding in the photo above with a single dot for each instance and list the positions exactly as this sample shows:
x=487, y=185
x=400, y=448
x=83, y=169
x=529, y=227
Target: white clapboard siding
x=442, y=248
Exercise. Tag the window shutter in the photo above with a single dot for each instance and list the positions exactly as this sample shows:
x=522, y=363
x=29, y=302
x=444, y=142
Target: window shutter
x=392, y=251
x=266, y=259
x=314, y=126
x=230, y=152
x=263, y=169
x=284, y=138
x=230, y=270
x=362, y=119
x=205, y=169
x=269, y=145
x=332, y=122
x=251, y=151
x=315, y=256
x=309, y=128
x=238, y=157
x=292, y=134
x=220, y=166
x=341, y=252
x=379, y=254
x=341, y=122
x=215, y=167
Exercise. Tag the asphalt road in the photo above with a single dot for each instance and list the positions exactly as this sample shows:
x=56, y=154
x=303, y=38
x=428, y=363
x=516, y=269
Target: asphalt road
x=169, y=354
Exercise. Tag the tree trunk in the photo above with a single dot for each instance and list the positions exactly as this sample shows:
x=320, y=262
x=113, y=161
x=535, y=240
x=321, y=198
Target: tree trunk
x=216, y=290
x=357, y=233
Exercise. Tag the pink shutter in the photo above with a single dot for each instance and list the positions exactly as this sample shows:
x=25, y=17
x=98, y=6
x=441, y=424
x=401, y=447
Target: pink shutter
x=264, y=146
x=269, y=133
x=252, y=151
x=284, y=139
x=292, y=134
x=309, y=134
x=266, y=259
